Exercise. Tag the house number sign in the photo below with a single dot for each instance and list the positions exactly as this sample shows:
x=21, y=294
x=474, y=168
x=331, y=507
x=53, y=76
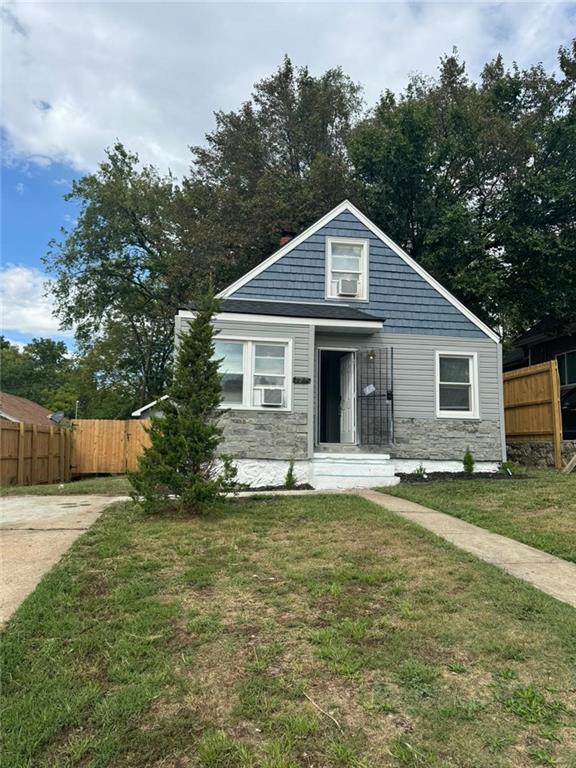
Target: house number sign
x=301, y=380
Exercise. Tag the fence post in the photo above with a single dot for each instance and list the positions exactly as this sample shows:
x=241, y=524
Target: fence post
x=556, y=413
x=21, y=441
x=126, y=444
x=61, y=457
x=34, y=455
x=68, y=449
x=50, y=472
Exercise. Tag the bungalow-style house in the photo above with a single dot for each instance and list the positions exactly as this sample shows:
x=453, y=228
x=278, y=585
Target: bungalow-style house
x=344, y=355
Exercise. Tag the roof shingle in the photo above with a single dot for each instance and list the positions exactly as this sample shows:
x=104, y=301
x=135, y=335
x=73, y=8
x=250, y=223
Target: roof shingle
x=21, y=409
x=294, y=309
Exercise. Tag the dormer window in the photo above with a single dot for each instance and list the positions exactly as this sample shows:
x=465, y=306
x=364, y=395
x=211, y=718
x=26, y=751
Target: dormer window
x=346, y=269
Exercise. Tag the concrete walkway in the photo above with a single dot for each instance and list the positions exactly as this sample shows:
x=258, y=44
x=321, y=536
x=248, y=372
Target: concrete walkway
x=549, y=574
x=35, y=531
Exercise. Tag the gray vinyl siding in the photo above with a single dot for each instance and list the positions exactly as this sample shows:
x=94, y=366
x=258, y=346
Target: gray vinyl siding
x=302, y=349
x=414, y=369
x=397, y=294
x=418, y=433
x=271, y=433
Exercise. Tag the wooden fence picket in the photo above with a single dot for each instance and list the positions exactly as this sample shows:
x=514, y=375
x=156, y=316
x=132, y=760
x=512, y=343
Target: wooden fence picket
x=32, y=453
x=532, y=406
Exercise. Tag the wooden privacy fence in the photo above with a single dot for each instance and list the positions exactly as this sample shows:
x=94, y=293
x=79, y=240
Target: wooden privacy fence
x=532, y=406
x=110, y=446
x=33, y=453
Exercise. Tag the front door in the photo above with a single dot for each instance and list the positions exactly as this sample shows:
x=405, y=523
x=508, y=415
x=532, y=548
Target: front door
x=347, y=398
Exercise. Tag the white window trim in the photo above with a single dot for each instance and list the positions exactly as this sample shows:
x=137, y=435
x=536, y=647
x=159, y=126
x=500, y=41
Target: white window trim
x=248, y=373
x=364, y=274
x=474, y=413
x=564, y=354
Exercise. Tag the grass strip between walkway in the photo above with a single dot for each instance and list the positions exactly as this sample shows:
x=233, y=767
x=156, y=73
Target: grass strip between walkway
x=539, y=510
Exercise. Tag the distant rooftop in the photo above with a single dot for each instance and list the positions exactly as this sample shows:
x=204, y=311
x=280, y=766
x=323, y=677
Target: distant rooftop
x=15, y=408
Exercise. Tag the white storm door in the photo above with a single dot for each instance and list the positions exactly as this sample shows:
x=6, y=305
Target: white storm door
x=347, y=399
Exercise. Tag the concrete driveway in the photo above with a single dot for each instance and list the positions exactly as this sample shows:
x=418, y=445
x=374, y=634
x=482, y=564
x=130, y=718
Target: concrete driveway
x=35, y=531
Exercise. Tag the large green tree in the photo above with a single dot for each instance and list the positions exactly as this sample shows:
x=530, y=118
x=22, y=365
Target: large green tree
x=144, y=244
x=475, y=180
x=115, y=282
x=538, y=222
x=276, y=164
x=36, y=370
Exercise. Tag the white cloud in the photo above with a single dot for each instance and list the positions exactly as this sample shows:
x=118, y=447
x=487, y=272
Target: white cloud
x=20, y=188
x=25, y=307
x=151, y=74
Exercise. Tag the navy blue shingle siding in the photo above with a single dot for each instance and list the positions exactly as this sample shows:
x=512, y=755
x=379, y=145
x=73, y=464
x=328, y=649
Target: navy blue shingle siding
x=396, y=292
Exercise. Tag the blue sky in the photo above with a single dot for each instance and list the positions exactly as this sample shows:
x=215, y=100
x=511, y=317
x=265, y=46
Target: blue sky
x=76, y=76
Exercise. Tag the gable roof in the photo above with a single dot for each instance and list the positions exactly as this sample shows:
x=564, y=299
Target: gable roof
x=547, y=329
x=14, y=408
x=347, y=206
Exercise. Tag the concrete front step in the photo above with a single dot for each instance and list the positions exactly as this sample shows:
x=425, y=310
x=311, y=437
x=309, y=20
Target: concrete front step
x=351, y=470
x=348, y=448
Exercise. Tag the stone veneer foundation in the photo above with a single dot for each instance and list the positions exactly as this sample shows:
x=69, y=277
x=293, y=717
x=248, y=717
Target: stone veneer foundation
x=262, y=444
x=265, y=435
x=446, y=439
x=539, y=454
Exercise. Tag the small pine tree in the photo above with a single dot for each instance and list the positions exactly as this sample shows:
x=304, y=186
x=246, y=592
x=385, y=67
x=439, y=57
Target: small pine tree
x=181, y=470
x=290, y=481
x=468, y=462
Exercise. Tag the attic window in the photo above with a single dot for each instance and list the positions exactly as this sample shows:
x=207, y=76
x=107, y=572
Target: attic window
x=346, y=269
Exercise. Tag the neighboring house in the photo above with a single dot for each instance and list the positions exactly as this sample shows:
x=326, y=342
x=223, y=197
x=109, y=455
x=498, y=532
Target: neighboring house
x=150, y=409
x=343, y=354
x=14, y=408
x=551, y=339
x=548, y=340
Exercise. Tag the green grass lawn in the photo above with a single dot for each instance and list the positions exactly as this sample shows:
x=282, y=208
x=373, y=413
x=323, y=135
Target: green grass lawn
x=216, y=642
x=116, y=485
x=539, y=510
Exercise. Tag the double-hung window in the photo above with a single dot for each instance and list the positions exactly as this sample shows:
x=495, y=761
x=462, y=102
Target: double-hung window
x=567, y=367
x=456, y=385
x=255, y=374
x=346, y=268
x=269, y=378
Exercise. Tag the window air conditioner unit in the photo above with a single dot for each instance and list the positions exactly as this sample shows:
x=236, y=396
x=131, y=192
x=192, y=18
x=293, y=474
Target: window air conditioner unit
x=348, y=286
x=272, y=397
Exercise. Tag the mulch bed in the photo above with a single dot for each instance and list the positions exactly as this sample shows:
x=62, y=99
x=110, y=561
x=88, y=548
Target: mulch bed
x=431, y=476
